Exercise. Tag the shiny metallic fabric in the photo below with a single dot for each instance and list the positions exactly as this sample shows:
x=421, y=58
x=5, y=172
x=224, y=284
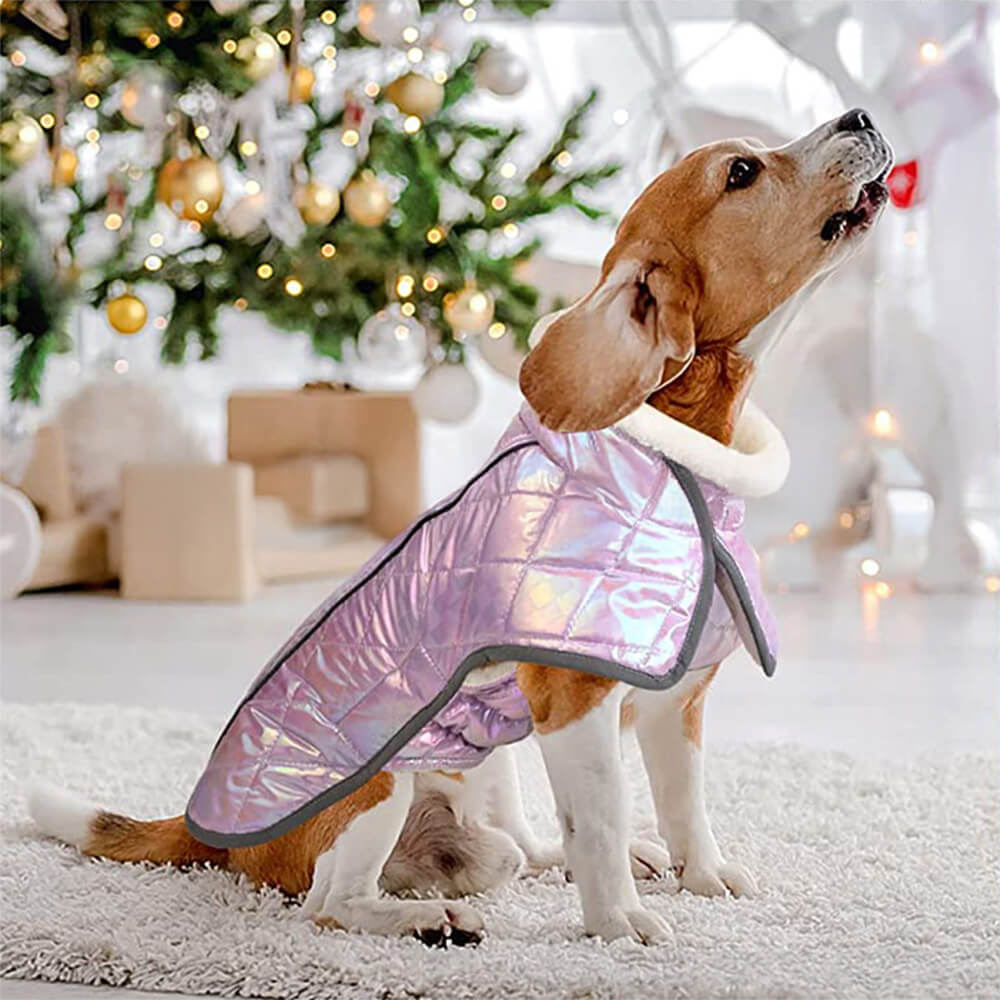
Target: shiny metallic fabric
x=588, y=550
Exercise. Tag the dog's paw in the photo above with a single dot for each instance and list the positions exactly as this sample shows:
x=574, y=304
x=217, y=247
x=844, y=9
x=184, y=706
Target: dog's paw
x=540, y=857
x=435, y=922
x=649, y=860
x=461, y=926
x=717, y=880
x=637, y=923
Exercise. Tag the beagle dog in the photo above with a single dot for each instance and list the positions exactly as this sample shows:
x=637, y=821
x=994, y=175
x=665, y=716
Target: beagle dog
x=706, y=268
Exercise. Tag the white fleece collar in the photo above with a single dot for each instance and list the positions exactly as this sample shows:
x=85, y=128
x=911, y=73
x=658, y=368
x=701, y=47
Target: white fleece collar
x=754, y=465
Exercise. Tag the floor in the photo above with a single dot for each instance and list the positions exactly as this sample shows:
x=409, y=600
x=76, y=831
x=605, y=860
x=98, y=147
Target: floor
x=892, y=678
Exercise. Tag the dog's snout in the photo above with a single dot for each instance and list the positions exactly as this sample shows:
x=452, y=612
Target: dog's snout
x=855, y=120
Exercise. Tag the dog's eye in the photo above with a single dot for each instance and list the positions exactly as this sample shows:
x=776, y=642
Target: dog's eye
x=742, y=173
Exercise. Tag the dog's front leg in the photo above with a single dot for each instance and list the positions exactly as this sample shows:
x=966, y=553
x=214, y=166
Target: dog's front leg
x=669, y=727
x=583, y=759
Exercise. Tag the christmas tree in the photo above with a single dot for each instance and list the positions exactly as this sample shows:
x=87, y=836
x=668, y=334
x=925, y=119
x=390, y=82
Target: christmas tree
x=308, y=161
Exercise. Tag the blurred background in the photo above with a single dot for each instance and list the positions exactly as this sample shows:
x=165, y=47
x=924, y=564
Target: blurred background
x=269, y=270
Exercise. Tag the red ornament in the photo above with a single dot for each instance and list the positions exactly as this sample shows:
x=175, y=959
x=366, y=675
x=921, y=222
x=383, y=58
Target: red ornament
x=903, y=184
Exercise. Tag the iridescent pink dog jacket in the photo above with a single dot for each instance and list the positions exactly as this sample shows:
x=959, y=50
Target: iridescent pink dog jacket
x=594, y=551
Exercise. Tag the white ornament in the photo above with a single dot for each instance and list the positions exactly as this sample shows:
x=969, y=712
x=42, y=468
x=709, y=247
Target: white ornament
x=384, y=21
x=20, y=541
x=392, y=342
x=246, y=215
x=145, y=98
x=499, y=70
x=226, y=7
x=447, y=393
x=501, y=353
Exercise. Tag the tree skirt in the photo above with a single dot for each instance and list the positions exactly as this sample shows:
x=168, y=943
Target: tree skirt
x=877, y=880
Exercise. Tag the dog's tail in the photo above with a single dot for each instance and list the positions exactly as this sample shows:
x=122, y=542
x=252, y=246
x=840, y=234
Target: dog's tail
x=108, y=835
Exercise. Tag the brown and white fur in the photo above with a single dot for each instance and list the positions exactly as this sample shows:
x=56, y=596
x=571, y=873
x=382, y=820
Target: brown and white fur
x=703, y=272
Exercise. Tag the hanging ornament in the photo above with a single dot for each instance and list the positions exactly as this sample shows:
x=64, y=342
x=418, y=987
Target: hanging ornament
x=904, y=184
x=415, y=94
x=20, y=541
x=447, y=393
x=145, y=98
x=127, y=313
x=259, y=53
x=498, y=349
x=392, y=342
x=64, y=164
x=383, y=21
x=317, y=203
x=22, y=138
x=303, y=80
x=198, y=188
x=226, y=7
x=469, y=311
x=94, y=69
x=246, y=215
x=167, y=181
x=502, y=72
x=366, y=200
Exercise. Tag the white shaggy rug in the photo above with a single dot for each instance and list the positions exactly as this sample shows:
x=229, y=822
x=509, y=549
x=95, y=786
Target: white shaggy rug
x=877, y=881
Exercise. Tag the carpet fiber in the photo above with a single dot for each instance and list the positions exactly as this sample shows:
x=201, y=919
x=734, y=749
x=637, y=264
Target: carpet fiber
x=876, y=881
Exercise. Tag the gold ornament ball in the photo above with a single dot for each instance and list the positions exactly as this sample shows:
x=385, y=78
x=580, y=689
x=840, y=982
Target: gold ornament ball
x=317, y=203
x=366, y=200
x=94, y=70
x=22, y=139
x=302, y=84
x=415, y=94
x=64, y=164
x=259, y=54
x=197, y=191
x=166, y=181
x=469, y=311
x=127, y=313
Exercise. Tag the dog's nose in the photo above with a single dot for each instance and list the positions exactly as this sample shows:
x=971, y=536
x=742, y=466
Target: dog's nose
x=855, y=120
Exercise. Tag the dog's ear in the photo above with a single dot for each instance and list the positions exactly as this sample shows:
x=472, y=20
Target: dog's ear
x=599, y=360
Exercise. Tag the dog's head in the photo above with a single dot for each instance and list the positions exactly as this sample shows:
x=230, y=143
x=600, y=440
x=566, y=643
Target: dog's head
x=707, y=251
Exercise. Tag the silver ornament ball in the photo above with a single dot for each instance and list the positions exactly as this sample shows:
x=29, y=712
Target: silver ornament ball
x=392, y=342
x=501, y=72
x=447, y=393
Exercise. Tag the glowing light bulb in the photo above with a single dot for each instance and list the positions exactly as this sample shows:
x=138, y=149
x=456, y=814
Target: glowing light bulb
x=120, y=366
x=882, y=424
x=350, y=137
x=47, y=120
x=284, y=36
x=265, y=271
x=404, y=285
x=800, y=529
x=619, y=116
x=248, y=147
x=407, y=308
x=411, y=125
x=435, y=234
x=92, y=100
x=153, y=262
x=293, y=286
x=930, y=52
x=372, y=89
x=240, y=303
x=202, y=132
x=328, y=16
x=327, y=250
x=401, y=331
x=510, y=230
x=430, y=283
x=870, y=567
x=499, y=202
x=846, y=519
x=883, y=590
x=410, y=34
x=252, y=186
x=564, y=159
x=113, y=221
x=992, y=584
x=496, y=330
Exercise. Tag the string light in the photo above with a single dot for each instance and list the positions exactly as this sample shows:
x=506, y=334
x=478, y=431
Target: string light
x=229, y=46
x=466, y=3
x=328, y=16
x=469, y=15
x=411, y=125
x=160, y=323
x=284, y=36
x=248, y=147
x=202, y=132
x=800, y=530
x=194, y=226
x=430, y=283
x=435, y=234
x=564, y=159
x=293, y=287
x=330, y=52
x=410, y=34
x=92, y=135
x=17, y=58
x=92, y=100
x=201, y=206
x=496, y=331
x=112, y=221
x=350, y=137
x=47, y=120
x=120, y=366
x=619, y=116
x=846, y=519
x=251, y=186
x=407, y=308
x=372, y=89
x=930, y=52
x=415, y=54
x=992, y=584
x=508, y=169
x=175, y=19
x=510, y=230
x=883, y=590
x=440, y=76
x=240, y=303
x=882, y=424
x=151, y=40
x=870, y=567
x=404, y=285
x=499, y=202
x=264, y=271
x=327, y=250
x=153, y=262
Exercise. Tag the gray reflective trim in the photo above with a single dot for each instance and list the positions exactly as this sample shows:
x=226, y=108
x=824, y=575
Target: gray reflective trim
x=741, y=602
x=482, y=657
